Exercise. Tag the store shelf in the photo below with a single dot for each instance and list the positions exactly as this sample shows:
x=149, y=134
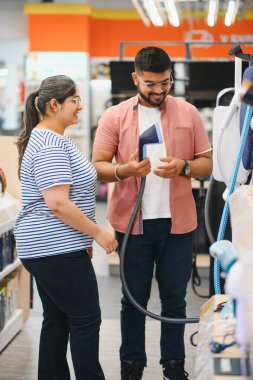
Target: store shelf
x=230, y=363
x=7, y=226
x=12, y=327
x=9, y=268
x=9, y=209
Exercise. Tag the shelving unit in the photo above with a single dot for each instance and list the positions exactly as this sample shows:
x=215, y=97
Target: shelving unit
x=9, y=269
x=9, y=208
x=227, y=364
x=12, y=327
x=8, y=225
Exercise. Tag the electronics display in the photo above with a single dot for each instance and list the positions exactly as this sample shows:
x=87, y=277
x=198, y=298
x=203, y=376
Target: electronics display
x=123, y=86
x=203, y=80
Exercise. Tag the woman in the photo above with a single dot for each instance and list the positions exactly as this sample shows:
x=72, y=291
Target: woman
x=55, y=230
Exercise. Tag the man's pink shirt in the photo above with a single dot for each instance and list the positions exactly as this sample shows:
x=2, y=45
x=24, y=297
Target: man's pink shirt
x=184, y=137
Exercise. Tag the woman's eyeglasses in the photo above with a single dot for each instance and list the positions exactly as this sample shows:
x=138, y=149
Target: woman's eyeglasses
x=77, y=100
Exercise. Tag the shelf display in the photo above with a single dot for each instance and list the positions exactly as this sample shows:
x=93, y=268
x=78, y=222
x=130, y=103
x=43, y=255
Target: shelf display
x=11, y=318
x=40, y=65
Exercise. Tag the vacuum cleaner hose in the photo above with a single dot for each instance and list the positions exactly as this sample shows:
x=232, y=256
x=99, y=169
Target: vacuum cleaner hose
x=122, y=271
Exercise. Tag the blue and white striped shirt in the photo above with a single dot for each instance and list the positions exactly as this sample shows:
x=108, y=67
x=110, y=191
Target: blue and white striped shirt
x=51, y=159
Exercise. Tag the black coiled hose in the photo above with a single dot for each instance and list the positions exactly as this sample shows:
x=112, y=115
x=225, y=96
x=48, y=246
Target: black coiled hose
x=122, y=272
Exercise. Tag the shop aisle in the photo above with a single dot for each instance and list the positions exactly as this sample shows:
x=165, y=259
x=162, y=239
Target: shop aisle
x=19, y=360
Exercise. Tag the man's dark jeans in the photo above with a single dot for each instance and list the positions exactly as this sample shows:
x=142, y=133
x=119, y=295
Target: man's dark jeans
x=68, y=290
x=172, y=256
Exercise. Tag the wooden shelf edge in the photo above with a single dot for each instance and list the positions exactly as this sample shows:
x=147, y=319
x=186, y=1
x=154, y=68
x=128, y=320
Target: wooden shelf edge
x=12, y=327
x=9, y=268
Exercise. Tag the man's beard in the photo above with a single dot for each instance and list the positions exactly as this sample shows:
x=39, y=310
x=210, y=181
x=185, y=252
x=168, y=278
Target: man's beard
x=149, y=101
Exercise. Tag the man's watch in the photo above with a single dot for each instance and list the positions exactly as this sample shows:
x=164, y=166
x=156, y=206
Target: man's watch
x=187, y=168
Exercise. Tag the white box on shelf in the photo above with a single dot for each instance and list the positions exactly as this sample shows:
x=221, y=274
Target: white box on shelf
x=9, y=209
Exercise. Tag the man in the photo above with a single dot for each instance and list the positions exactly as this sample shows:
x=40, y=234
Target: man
x=163, y=230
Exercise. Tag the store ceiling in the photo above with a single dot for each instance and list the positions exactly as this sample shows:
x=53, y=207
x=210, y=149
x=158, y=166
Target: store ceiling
x=127, y=4
x=182, y=5
x=194, y=5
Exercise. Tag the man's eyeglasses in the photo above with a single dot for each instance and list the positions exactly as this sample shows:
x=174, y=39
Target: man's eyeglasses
x=166, y=83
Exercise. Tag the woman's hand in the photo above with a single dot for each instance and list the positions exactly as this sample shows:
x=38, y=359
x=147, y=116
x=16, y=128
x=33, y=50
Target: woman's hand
x=106, y=240
x=90, y=252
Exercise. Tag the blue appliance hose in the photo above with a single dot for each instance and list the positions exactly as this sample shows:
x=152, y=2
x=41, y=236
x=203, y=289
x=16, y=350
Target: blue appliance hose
x=224, y=218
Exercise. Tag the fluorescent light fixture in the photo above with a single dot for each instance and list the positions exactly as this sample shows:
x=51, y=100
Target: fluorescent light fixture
x=172, y=12
x=141, y=12
x=210, y=20
x=153, y=13
x=228, y=19
x=230, y=16
x=158, y=11
x=213, y=7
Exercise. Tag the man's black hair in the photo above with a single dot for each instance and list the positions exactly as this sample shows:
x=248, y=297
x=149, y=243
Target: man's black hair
x=152, y=59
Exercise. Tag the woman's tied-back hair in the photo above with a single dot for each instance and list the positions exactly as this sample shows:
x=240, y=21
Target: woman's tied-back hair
x=57, y=87
x=152, y=59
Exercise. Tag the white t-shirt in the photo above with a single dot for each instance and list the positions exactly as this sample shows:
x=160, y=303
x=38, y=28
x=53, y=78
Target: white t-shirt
x=155, y=201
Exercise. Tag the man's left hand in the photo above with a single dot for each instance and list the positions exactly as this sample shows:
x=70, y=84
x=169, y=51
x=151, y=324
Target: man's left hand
x=172, y=167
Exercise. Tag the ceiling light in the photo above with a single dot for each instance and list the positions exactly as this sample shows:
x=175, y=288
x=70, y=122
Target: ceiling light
x=230, y=16
x=213, y=8
x=159, y=12
x=141, y=12
x=172, y=12
x=153, y=13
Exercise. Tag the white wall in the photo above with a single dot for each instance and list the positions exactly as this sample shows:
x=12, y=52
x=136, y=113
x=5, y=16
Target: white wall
x=13, y=47
x=13, y=21
x=12, y=58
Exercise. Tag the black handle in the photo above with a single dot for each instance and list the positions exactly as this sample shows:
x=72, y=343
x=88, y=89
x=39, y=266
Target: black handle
x=236, y=51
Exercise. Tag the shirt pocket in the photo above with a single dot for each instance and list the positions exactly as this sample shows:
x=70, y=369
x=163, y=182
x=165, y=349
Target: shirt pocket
x=183, y=143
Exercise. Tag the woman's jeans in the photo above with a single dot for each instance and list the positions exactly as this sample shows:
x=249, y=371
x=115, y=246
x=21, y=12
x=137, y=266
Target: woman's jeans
x=172, y=257
x=68, y=290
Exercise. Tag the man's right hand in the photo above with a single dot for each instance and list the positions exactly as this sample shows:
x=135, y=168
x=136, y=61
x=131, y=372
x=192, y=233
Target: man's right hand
x=136, y=168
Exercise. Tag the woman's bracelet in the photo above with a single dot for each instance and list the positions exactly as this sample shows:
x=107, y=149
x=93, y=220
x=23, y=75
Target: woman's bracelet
x=115, y=172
